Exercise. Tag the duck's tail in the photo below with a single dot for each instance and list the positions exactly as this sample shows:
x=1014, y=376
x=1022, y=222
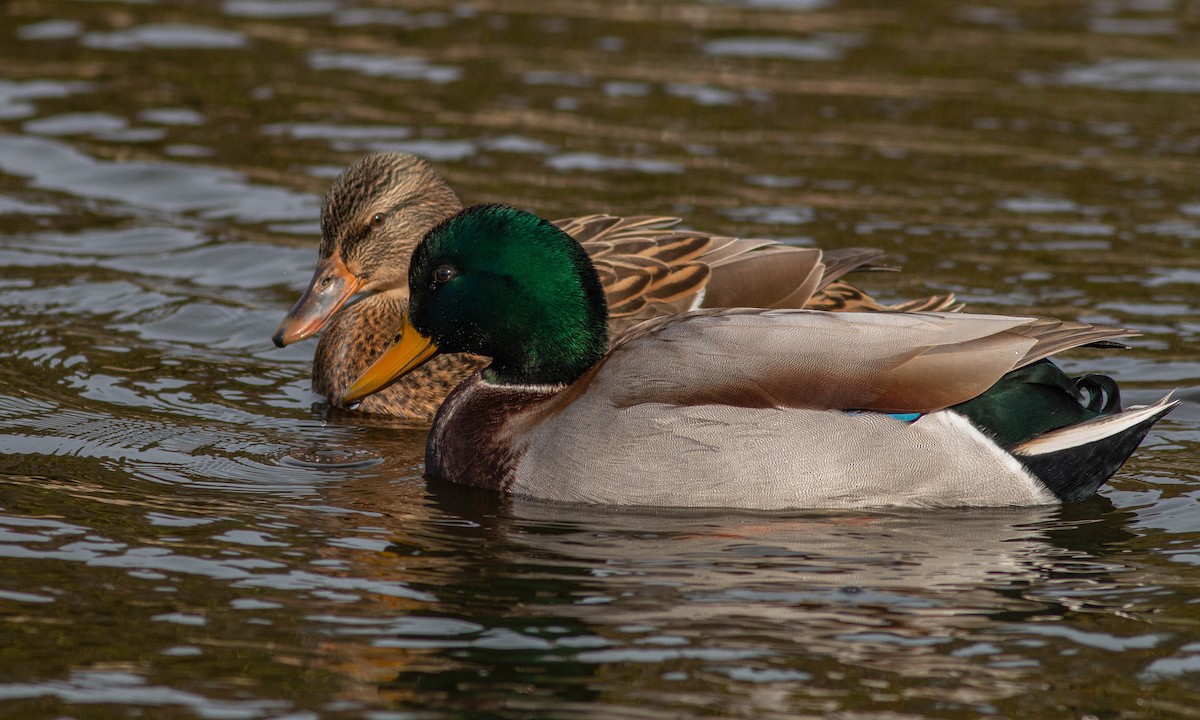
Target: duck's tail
x=1074, y=461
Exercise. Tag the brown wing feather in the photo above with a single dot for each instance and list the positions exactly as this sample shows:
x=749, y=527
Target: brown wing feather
x=629, y=283
x=842, y=297
x=766, y=278
x=676, y=248
x=1053, y=336
x=588, y=227
x=933, y=303
x=682, y=284
x=840, y=261
x=644, y=288
x=888, y=362
x=602, y=229
x=718, y=271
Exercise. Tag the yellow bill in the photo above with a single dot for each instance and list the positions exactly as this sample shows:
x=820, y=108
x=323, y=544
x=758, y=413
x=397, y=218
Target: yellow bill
x=410, y=351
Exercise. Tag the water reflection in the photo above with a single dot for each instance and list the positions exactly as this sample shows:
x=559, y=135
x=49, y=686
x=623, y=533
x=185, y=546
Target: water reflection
x=384, y=66
x=184, y=531
x=160, y=186
x=178, y=37
x=821, y=47
x=14, y=96
x=1136, y=76
x=757, y=600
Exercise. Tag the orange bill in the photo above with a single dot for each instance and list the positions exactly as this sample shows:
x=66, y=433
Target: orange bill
x=331, y=286
x=410, y=351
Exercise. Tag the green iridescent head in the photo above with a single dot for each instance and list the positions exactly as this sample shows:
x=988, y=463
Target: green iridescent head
x=506, y=284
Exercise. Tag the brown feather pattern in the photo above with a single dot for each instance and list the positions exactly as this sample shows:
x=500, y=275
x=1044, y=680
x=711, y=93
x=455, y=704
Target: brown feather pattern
x=840, y=261
x=648, y=266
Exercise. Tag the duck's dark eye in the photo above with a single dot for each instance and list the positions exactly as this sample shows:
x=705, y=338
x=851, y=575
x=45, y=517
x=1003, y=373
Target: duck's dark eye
x=377, y=219
x=444, y=274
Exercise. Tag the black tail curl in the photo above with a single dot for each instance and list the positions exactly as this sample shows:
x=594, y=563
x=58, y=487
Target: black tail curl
x=1101, y=393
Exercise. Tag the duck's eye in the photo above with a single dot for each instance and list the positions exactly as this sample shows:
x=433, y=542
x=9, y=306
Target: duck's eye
x=377, y=219
x=444, y=274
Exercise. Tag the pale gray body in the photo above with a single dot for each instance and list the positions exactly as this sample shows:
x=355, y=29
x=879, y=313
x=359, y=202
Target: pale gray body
x=744, y=409
x=770, y=459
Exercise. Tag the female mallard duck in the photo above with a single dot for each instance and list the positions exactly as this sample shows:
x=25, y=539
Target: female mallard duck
x=383, y=204
x=740, y=408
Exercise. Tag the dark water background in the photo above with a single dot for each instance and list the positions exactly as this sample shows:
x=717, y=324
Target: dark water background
x=161, y=165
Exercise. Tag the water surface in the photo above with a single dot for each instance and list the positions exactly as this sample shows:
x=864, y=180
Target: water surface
x=186, y=532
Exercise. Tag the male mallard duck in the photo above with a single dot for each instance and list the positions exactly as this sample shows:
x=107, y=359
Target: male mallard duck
x=741, y=408
x=382, y=205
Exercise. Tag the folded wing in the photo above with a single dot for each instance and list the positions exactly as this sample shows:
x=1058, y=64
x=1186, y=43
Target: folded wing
x=649, y=269
x=887, y=362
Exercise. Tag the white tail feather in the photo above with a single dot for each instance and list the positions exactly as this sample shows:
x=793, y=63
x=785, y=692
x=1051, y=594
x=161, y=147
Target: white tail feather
x=1092, y=430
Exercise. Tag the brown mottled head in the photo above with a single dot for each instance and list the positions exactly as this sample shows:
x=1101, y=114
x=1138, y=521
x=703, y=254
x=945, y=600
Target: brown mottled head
x=377, y=211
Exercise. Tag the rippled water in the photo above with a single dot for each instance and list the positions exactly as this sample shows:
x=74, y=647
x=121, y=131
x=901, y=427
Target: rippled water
x=184, y=533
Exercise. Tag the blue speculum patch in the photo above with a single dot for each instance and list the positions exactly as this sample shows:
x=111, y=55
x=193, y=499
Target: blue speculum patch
x=902, y=417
